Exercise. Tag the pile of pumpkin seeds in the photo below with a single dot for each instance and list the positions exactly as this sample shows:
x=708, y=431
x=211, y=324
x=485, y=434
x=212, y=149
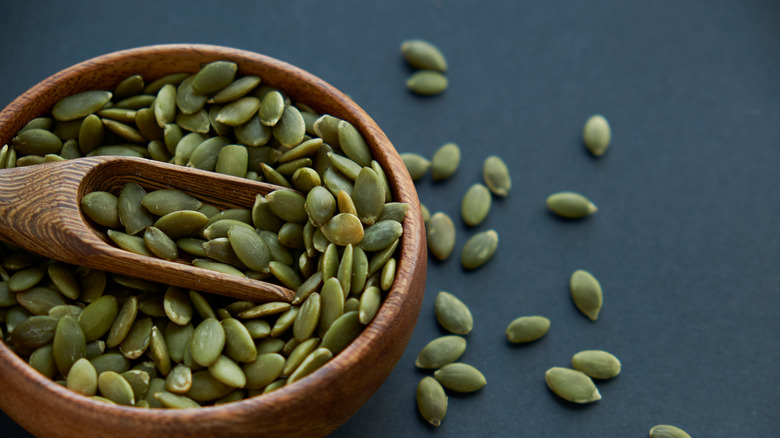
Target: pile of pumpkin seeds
x=332, y=239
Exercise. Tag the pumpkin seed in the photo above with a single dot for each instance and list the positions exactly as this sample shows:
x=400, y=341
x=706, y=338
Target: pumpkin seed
x=342, y=332
x=164, y=201
x=123, y=322
x=335, y=181
x=359, y=271
x=297, y=356
x=160, y=244
x=285, y=274
x=237, y=89
x=165, y=105
x=496, y=175
x=527, y=329
x=207, y=388
x=264, y=310
x=441, y=351
x=42, y=359
x=370, y=300
x=205, y=156
x=181, y=223
x=346, y=166
x=440, y=231
x=332, y=304
x=597, y=134
x=214, y=76
x=110, y=362
x=156, y=385
x=179, y=380
x=460, y=377
x=388, y=275
x=597, y=364
x=137, y=340
x=115, y=388
x=394, y=211
x=368, y=196
x=80, y=105
x=177, y=338
x=187, y=100
x=97, y=318
x=423, y=54
x=345, y=203
x=570, y=205
x=136, y=102
x=326, y=127
x=139, y=381
x=39, y=300
x=207, y=343
x=91, y=133
x=25, y=279
x=381, y=235
x=445, y=161
x=158, y=351
x=416, y=165
x=129, y=86
x=290, y=128
x=353, y=144
x=239, y=344
x=195, y=122
x=250, y=248
x=379, y=259
x=290, y=236
x=313, y=361
x=124, y=132
x=305, y=179
x=263, y=371
x=479, y=249
x=431, y=400
x=343, y=229
x=157, y=84
x=667, y=431
x=227, y=372
x=69, y=344
x=308, y=317
x=130, y=243
x=572, y=385
x=101, y=207
x=427, y=82
x=175, y=401
x=34, y=332
x=65, y=309
x=475, y=205
x=452, y=314
x=238, y=112
x=271, y=108
x=132, y=214
x=586, y=293
x=186, y=146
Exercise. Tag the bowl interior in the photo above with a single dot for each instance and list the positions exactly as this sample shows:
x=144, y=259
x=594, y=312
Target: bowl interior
x=313, y=406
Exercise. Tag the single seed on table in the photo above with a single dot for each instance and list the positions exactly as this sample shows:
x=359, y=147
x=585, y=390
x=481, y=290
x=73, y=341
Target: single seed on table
x=597, y=364
x=82, y=378
x=572, y=385
x=527, y=329
x=416, y=165
x=496, y=175
x=440, y=232
x=101, y=207
x=667, y=431
x=570, y=205
x=445, y=161
x=115, y=388
x=596, y=134
x=586, y=293
x=423, y=54
x=460, y=377
x=475, y=205
x=453, y=314
x=479, y=249
x=427, y=82
x=441, y=351
x=431, y=400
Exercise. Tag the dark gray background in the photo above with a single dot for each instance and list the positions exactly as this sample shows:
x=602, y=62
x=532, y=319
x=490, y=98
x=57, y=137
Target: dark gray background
x=685, y=242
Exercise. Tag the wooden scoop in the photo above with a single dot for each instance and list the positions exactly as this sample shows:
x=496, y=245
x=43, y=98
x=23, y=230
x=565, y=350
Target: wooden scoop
x=40, y=212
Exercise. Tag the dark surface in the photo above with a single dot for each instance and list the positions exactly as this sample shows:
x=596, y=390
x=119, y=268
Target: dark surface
x=685, y=242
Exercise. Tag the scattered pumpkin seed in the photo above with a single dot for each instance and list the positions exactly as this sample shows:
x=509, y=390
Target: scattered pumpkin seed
x=496, y=175
x=527, y=329
x=572, y=385
x=441, y=351
x=597, y=364
x=597, y=134
x=667, y=431
x=475, y=205
x=423, y=54
x=452, y=314
x=440, y=231
x=445, y=161
x=431, y=400
x=460, y=377
x=479, y=249
x=416, y=165
x=570, y=205
x=586, y=293
x=427, y=82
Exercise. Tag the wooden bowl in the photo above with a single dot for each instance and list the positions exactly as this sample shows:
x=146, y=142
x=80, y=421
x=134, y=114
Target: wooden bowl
x=313, y=406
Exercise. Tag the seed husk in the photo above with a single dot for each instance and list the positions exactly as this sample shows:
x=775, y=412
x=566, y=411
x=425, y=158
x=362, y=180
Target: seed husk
x=667, y=431
x=80, y=105
x=440, y=232
x=416, y=165
x=441, y=351
x=423, y=54
x=475, y=205
x=431, y=400
x=314, y=360
x=101, y=207
x=496, y=175
x=69, y=344
x=586, y=293
x=572, y=385
x=479, y=249
x=597, y=364
x=527, y=329
x=115, y=388
x=453, y=314
x=207, y=343
x=596, y=134
x=460, y=377
x=427, y=82
x=570, y=205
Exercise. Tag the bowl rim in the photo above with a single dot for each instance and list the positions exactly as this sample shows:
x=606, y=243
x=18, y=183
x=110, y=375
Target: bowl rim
x=412, y=254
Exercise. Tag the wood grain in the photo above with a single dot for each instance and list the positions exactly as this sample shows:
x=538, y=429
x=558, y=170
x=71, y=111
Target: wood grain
x=313, y=406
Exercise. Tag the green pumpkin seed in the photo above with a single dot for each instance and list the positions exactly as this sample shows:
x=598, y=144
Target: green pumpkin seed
x=239, y=112
x=586, y=293
x=353, y=144
x=173, y=79
x=305, y=179
x=95, y=349
x=370, y=300
x=177, y=306
x=115, y=388
x=238, y=341
x=289, y=168
x=93, y=283
x=307, y=287
x=137, y=340
x=527, y=329
x=427, y=82
x=290, y=236
x=101, y=207
x=394, y=211
x=201, y=305
x=187, y=100
x=597, y=364
x=175, y=401
x=263, y=371
x=42, y=360
x=381, y=235
x=67, y=130
x=271, y=108
x=97, y=318
x=123, y=115
x=250, y=248
x=165, y=201
x=227, y=372
x=132, y=214
x=136, y=102
x=388, y=275
x=326, y=127
x=151, y=304
x=156, y=385
x=343, y=229
x=15, y=316
x=273, y=177
x=431, y=400
x=445, y=161
x=46, y=123
x=206, y=388
x=207, y=343
x=572, y=385
x=379, y=259
x=460, y=377
x=496, y=175
x=352, y=305
x=39, y=300
x=179, y=380
x=359, y=271
x=346, y=166
x=177, y=338
x=192, y=246
x=440, y=231
x=336, y=182
x=195, y=122
x=290, y=128
x=314, y=360
x=124, y=132
x=368, y=196
x=475, y=205
x=452, y=314
x=120, y=150
x=25, y=279
x=667, y=431
x=205, y=156
x=139, y=381
x=253, y=133
x=345, y=203
x=130, y=86
x=158, y=351
x=441, y=351
x=91, y=133
x=130, y=243
x=423, y=54
x=344, y=273
x=308, y=317
x=597, y=134
x=479, y=249
x=69, y=344
x=264, y=310
x=214, y=76
x=258, y=329
x=123, y=322
x=65, y=309
x=34, y=332
x=298, y=355
x=342, y=332
x=332, y=304
x=239, y=88
x=181, y=223
x=285, y=274
x=160, y=244
x=570, y=205
x=186, y=146
x=233, y=160
x=287, y=205
x=80, y=105
x=303, y=150
x=165, y=105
